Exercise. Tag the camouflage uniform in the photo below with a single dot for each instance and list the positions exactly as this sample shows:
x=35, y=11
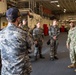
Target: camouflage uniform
x=71, y=42
x=14, y=45
x=74, y=40
x=38, y=36
x=53, y=31
x=25, y=27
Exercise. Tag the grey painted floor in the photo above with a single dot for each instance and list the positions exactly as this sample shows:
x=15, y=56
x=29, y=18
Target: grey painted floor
x=57, y=67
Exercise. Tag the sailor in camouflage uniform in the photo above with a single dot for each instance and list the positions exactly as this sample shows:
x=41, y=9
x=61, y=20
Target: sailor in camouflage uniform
x=74, y=46
x=70, y=45
x=38, y=41
x=54, y=32
x=14, y=46
x=24, y=25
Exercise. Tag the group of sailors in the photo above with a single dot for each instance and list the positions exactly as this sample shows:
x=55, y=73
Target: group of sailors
x=54, y=31
x=36, y=37
x=16, y=40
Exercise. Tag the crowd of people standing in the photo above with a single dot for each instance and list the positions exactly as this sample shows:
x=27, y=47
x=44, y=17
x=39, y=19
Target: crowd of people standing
x=15, y=44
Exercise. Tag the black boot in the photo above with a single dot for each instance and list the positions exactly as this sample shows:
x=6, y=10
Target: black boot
x=41, y=56
x=35, y=58
x=56, y=57
x=52, y=59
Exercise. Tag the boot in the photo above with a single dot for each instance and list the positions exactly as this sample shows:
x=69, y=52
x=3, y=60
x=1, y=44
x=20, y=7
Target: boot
x=52, y=58
x=72, y=66
x=41, y=56
x=35, y=58
x=56, y=57
x=75, y=70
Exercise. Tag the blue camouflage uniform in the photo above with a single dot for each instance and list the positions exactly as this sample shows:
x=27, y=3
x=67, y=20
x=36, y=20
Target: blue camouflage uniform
x=14, y=46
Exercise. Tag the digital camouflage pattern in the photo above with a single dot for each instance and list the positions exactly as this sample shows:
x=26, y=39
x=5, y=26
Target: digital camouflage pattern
x=14, y=46
x=71, y=42
x=25, y=27
x=38, y=36
x=30, y=39
x=53, y=31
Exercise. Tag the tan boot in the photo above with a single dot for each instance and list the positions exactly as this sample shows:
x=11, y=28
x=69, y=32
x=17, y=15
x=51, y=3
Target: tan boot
x=75, y=70
x=72, y=66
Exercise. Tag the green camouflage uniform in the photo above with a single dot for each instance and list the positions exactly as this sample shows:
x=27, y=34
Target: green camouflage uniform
x=71, y=42
x=53, y=31
x=38, y=36
x=25, y=27
x=30, y=40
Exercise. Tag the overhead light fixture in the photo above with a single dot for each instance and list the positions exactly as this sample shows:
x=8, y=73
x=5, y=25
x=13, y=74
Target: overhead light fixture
x=54, y=1
x=64, y=10
x=58, y=5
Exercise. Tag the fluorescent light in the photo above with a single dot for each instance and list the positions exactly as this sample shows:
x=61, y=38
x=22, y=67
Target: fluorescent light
x=58, y=5
x=53, y=1
x=64, y=10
